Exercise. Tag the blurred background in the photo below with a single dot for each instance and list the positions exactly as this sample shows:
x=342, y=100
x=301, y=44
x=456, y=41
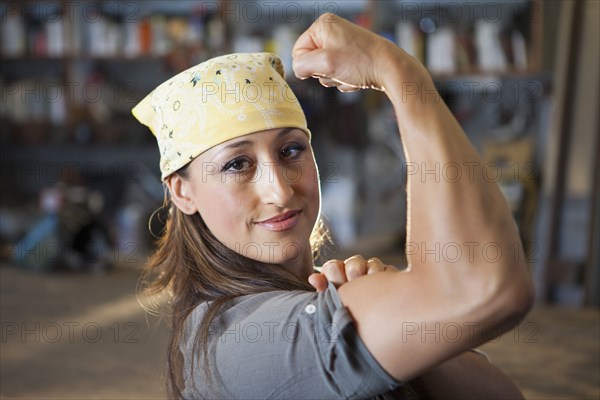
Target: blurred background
x=80, y=177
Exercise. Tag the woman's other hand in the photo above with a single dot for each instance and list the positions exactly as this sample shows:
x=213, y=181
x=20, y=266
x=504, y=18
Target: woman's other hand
x=345, y=55
x=339, y=272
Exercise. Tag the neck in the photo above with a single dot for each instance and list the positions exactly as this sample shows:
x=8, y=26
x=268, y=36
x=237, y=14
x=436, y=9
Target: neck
x=302, y=265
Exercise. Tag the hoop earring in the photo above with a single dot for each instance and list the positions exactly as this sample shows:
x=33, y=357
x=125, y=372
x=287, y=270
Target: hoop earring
x=152, y=216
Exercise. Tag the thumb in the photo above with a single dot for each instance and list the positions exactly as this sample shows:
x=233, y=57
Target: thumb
x=318, y=281
x=313, y=63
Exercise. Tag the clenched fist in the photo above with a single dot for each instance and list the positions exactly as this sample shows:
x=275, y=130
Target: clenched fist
x=343, y=54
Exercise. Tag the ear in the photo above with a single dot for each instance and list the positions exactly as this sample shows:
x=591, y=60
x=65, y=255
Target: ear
x=181, y=191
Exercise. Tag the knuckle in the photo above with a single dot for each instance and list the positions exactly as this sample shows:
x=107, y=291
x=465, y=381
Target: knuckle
x=328, y=266
x=329, y=62
x=375, y=261
x=331, y=267
x=356, y=267
x=354, y=258
x=326, y=15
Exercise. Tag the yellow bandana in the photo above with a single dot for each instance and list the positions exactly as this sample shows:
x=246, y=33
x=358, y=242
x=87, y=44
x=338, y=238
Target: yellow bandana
x=215, y=101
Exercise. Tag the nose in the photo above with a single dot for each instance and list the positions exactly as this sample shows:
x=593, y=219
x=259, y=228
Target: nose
x=273, y=185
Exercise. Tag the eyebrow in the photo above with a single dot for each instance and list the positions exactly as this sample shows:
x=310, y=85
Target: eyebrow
x=243, y=143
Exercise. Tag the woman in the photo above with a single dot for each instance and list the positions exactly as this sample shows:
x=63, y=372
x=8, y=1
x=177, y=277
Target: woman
x=236, y=253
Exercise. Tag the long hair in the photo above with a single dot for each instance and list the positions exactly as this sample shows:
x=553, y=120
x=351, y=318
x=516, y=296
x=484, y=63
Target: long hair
x=192, y=266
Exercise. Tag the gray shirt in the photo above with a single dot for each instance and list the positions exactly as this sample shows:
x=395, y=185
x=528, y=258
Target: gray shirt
x=285, y=345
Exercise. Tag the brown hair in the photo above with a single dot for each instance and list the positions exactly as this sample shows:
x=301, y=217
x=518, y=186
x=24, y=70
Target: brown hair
x=192, y=266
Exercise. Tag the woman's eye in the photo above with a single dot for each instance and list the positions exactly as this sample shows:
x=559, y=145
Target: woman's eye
x=236, y=165
x=293, y=150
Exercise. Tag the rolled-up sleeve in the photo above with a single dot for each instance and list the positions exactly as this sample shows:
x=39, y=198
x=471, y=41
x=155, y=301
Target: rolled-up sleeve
x=294, y=344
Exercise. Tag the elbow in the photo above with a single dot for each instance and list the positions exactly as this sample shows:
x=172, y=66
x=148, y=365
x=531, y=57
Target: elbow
x=518, y=306
x=524, y=298
x=514, y=296
x=502, y=297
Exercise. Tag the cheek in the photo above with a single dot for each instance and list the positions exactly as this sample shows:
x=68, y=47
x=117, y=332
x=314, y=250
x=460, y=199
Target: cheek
x=223, y=212
x=309, y=185
x=313, y=185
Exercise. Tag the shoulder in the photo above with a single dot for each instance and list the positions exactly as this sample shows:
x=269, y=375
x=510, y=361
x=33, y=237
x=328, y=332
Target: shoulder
x=242, y=306
x=260, y=312
x=262, y=308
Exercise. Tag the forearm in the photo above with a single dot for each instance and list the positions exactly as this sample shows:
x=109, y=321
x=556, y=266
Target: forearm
x=467, y=376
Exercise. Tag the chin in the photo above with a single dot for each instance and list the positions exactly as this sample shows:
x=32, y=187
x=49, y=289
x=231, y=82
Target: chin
x=271, y=251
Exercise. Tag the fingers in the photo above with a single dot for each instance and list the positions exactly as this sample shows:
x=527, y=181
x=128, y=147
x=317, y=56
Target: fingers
x=339, y=52
x=313, y=62
x=310, y=40
x=328, y=82
x=305, y=43
x=376, y=265
x=334, y=272
x=348, y=88
x=339, y=272
x=318, y=281
x=342, y=87
x=356, y=266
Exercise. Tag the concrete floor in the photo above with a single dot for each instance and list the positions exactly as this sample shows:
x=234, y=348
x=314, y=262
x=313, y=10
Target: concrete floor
x=84, y=336
x=78, y=336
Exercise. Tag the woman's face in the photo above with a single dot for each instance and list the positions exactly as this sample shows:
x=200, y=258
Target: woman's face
x=240, y=186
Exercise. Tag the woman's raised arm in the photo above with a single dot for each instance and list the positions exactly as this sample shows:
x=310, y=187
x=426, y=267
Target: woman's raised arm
x=468, y=281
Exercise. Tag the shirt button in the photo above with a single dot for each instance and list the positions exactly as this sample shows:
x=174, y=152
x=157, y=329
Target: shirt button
x=310, y=309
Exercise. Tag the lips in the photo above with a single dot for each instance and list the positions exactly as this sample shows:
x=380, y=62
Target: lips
x=281, y=221
x=281, y=217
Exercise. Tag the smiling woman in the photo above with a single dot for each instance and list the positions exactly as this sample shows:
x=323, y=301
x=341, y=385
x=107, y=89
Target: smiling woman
x=244, y=196
x=244, y=226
